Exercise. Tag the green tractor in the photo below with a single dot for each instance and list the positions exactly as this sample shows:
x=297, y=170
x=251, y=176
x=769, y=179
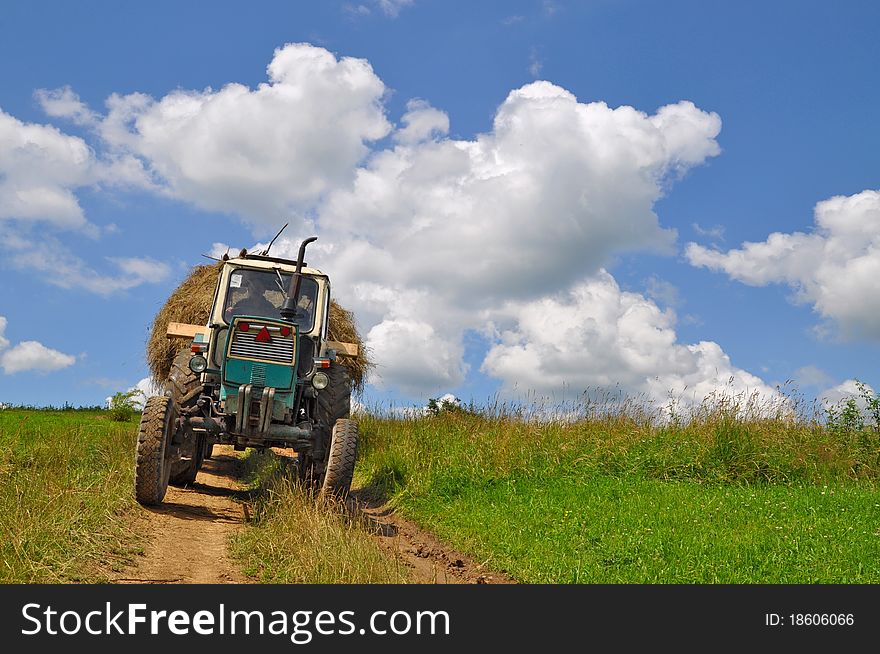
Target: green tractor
x=262, y=373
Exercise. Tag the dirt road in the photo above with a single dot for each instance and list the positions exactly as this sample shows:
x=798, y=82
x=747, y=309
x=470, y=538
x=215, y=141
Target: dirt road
x=429, y=560
x=188, y=534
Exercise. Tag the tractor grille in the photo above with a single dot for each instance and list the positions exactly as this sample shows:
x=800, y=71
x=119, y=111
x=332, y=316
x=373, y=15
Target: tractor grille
x=258, y=375
x=245, y=346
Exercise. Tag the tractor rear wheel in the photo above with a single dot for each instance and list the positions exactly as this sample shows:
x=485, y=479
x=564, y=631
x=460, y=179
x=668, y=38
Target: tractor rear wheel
x=183, y=383
x=152, y=465
x=186, y=387
x=340, y=460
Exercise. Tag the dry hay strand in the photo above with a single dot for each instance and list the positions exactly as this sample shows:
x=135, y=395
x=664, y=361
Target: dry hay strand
x=342, y=328
x=191, y=303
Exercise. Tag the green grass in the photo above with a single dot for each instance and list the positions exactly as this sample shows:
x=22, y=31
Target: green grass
x=602, y=529
x=66, y=481
x=611, y=498
x=618, y=498
x=293, y=539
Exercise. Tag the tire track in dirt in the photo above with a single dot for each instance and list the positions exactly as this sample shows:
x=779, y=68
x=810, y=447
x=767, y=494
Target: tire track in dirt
x=428, y=559
x=189, y=532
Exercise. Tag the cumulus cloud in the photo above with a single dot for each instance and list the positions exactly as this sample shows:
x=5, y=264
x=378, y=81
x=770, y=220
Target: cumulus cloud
x=597, y=336
x=29, y=355
x=65, y=103
x=551, y=194
x=439, y=236
x=40, y=169
x=834, y=268
x=421, y=122
x=413, y=357
x=262, y=153
x=851, y=389
x=432, y=236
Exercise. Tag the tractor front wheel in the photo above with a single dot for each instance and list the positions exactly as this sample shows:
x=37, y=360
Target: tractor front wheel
x=152, y=465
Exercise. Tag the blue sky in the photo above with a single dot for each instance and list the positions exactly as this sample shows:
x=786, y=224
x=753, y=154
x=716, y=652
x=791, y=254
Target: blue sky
x=495, y=228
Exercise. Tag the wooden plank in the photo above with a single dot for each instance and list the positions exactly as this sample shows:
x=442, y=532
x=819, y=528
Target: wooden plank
x=343, y=349
x=183, y=330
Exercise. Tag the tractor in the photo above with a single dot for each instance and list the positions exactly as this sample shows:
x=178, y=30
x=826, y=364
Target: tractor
x=261, y=374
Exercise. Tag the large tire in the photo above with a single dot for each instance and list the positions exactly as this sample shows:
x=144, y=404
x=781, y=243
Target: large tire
x=184, y=471
x=183, y=384
x=340, y=462
x=185, y=388
x=152, y=467
x=332, y=404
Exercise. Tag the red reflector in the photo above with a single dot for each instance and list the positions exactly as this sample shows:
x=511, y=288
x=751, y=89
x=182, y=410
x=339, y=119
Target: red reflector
x=196, y=347
x=322, y=363
x=243, y=326
x=285, y=331
x=263, y=336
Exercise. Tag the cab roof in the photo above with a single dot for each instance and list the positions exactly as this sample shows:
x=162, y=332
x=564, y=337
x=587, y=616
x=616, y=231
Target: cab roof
x=269, y=263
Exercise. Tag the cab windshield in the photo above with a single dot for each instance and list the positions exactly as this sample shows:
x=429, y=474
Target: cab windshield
x=261, y=293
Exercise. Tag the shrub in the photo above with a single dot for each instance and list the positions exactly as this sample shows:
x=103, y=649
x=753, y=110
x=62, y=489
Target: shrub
x=123, y=406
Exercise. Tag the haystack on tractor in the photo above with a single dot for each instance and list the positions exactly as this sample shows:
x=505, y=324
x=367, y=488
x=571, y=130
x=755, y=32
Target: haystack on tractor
x=262, y=373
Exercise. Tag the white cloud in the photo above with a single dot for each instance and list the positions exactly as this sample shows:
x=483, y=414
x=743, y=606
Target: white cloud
x=535, y=63
x=413, y=357
x=58, y=266
x=811, y=376
x=40, y=168
x=662, y=291
x=421, y=123
x=392, y=7
x=835, y=268
x=29, y=355
x=837, y=395
x=148, y=388
x=437, y=235
x=263, y=153
x=597, y=336
x=426, y=239
x=715, y=231
x=547, y=197
x=355, y=11
x=65, y=103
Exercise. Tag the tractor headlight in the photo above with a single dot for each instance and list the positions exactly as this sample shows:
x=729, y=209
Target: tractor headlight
x=198, y=364
x=320, y=380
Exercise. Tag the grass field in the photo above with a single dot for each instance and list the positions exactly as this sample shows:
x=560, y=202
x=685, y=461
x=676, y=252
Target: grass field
x=613, y=497
x=617, y=498
x=65, y=495
x=292, y=539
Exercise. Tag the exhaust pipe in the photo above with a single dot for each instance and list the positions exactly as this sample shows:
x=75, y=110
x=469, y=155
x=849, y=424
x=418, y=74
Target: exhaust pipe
x=288, y=309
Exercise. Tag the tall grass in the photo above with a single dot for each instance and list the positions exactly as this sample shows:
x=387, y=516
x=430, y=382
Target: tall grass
x=292, y=538
x=617, y=491
x=725, y=440
x=65, y=490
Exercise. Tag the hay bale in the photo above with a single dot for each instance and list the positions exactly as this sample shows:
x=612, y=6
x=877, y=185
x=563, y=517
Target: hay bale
x=191, y=303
